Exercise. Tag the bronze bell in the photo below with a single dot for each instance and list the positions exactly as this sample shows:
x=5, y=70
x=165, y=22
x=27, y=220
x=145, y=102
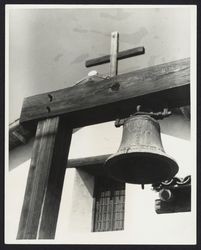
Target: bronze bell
x=140, y=158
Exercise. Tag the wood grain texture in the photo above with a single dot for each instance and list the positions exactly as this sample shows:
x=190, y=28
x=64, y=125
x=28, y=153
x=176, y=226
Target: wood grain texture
x=19, y=135
x=94, y=165
x=53, y=193
x=166, y=85
x=114, y=49
x=87, y=161
x=45, y=150
x=121, y=55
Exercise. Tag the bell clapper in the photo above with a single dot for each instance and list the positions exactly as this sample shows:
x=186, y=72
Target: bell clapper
x=142, y=185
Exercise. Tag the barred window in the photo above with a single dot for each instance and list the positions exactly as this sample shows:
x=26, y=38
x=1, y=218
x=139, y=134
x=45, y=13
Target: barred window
x=109, y=200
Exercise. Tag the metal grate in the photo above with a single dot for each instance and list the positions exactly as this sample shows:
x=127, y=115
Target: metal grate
x=109, y=205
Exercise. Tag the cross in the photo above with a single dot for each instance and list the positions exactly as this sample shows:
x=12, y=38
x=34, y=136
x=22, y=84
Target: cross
x=115, y=55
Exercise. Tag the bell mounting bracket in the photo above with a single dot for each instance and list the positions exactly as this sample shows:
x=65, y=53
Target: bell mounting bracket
x=156, y=115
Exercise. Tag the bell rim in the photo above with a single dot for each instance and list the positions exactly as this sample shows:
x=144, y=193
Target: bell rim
x=168, y=160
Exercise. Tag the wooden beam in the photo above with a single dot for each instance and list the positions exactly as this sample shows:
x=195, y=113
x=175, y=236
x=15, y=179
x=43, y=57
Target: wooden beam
x=19, y=135
x=45, y=179
x=114, y=49
x=166, y=85
x=21, y=138
x=87, y=161
x=55, y=183
x=93, y=165
x=121, y=55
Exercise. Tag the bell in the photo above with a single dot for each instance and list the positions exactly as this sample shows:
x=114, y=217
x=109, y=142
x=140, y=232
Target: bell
x=141, y=158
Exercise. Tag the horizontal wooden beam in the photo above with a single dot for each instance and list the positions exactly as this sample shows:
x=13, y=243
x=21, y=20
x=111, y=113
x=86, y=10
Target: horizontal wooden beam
x=87, y=161
x=165, y=85
x=121, y=55
x=93, y=165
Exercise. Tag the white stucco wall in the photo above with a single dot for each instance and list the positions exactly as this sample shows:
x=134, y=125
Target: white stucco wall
x=142, y=224
x=47, y=50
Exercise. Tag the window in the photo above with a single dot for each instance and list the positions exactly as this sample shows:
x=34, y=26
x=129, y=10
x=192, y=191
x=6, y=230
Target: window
x=109, y=199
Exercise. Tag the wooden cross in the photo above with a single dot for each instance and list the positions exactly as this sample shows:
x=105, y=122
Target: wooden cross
x=55, y=114
x=115, y=55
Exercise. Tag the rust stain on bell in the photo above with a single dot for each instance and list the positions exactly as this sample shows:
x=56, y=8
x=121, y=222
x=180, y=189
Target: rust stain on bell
x=141, y=158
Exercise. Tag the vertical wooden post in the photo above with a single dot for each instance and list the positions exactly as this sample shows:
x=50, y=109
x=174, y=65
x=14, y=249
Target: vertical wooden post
x=45, y=179
x=55, y=183
x=113, y=53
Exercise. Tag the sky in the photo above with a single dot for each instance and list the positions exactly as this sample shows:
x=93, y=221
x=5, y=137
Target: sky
x=47, y=48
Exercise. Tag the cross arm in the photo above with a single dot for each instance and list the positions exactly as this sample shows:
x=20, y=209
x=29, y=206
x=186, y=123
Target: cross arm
x=165, y=85
x=121, y=55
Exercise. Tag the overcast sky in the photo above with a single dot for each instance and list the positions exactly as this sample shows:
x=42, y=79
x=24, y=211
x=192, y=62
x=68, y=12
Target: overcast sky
x=48, y=47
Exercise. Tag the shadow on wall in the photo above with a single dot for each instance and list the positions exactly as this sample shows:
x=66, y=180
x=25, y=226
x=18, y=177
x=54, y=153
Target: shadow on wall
x=176, y=125
x=20, y=155
x=86, y=180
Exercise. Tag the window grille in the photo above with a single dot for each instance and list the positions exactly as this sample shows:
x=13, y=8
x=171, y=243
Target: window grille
x=109, y=199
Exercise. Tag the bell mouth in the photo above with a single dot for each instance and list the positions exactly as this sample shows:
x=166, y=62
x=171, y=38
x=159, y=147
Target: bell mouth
x=141, y=167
